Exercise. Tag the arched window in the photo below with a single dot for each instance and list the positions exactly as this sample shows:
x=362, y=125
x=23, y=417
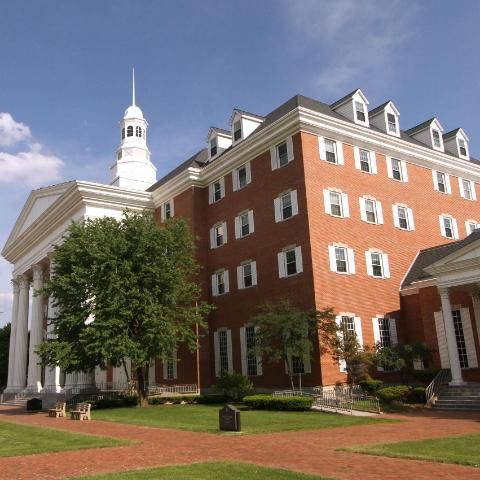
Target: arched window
x=138, y=132
x=123, y=133
x=129, y=131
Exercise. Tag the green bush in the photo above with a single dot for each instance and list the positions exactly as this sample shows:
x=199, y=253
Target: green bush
x=211, y=399
x=233, y=386
x=158, y=400
x=269, y=402
x=371, y=386
x=416, y=395
x=425, y=376
x=397, y=393
x=113, y=402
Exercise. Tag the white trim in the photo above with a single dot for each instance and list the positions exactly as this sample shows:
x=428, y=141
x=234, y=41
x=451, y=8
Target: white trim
x=358, y=330
x=298, y=259
x=326, y=201
x=351, y=261
x=281, y=265
x=243, y=350
x=442, y=340
x=229, y=351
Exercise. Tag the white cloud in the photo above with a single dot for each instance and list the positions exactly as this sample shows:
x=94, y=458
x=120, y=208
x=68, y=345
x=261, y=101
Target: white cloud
x=12, y=132
x=359, y=38
x=30, y=168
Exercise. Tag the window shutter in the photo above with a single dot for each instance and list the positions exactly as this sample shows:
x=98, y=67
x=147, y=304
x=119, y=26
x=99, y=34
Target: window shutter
x=442, y=226
x=368, y=261
x=249, y=172
x=281, y=264
x=293, y=196
x=226, y=281
x=341, y=160
x=326, y=201
x=278, y=210
x=460, y=186
x=351, y=260
x=332, y=258
x=442, y=340
x=259, y=359
x=298, y=259
x=222, y=187
x=237, y=227
x=243, y=350
x=346, y=208
x=363, y=212
x=212, y=238
x=376, y=330
x=172, y=208
x=474, y=193
x=254, y=273
x=447, y=183
x=373, y=162
x=404, y=171
x=165, y=370
x=273, y=158
x=386, y=266
x=240, y=277
x=389, y=167
x=224, y=228
x=251, y=223
x=217, y=353
x=358, y=330
x=175, y=364
x=235, y=180
x=469, y=338
x=379, y=212
x=307, y=364
x=455, y=228
x=321, y=148
x=356, y=154
x=290, y=149
x=396, y=221
x=411, y=221
x=393, y=331
x=229, y=351
x=210, y=193
x=341, y=363
x=214, y=285
x=434, y=178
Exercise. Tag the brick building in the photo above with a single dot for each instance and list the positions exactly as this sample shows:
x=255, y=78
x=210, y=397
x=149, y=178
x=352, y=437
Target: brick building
x=327, y=205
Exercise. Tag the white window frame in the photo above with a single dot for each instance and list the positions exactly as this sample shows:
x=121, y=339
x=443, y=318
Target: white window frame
x=215, y=283
x=372, y=160
x=210, y=147
x=163, y=213
x=454, y=227
x=461, y=186
x=467, y=154
x=409, y=217
x=239, y=121
x=244, y=352
x=403, y=169
x=387, y=124
x=339, y=160
x=471, y=226
x=378, y=210
x=238, y=224
x=440, y=139
x=349, y=256
x=344, y=207
x=216, y=344
x=274, y=157
x=213, y=234
x=384, y=263
x=365, y=112
x=211, y=190
x=282, y=261
x=241, y=274
x=165, y=361
x=278, y=205
x=235, y=176
x=357, y=325
x=446, y=176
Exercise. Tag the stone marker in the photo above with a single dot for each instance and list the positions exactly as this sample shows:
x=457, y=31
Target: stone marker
x=34, y=404
x=229, y=418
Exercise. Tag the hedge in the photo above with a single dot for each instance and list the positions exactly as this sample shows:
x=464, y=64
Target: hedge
x=269, y=402
x=397, y=393
x=113, y=402
x=371, y=386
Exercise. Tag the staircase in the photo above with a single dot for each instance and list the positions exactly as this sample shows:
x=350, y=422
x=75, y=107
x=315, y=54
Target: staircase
x=14, y=399
x=465, y=397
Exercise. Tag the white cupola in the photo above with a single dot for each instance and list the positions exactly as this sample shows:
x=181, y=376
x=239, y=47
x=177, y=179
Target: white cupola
x=133, y=168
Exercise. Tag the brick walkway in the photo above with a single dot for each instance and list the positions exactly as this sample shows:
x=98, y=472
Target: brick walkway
x=310, y=452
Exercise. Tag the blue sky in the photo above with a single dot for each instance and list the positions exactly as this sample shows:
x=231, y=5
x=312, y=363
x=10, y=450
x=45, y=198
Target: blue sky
x=65, y=75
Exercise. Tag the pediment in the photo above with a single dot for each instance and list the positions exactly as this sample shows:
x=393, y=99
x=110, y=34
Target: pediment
x=463, y=257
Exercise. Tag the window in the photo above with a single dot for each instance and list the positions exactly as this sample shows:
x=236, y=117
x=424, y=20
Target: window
x=331, y=151
x=436, y=139
x=244, y=224
x=247, y=274
x=130, y=131
x=223, y=350
x=290, y=262
x=371, y=210
x=336, y=203
x=460, y=338
x=462, y=147
x=250, y=345
x=403, y=217
x=360, y=111
x=216, y=190
x=282, y=153
x=448, y=226
x=384, y=332
x=298, y=367
x=365, y=161
x=222, y=340
x=218, y=235
x=350, y=328
x=220, y=283
x=167, y=210
x=467, y=189
x=377, y=264
x=213, y=147
x=286, y=206
x=341, y=259
x=123, y=133
x=170, y=366
x=471, y=226
x=392, y=123
x=237, y=130
x=441, y=182
x=138, y=131
x=396, y=169
x=241, y=177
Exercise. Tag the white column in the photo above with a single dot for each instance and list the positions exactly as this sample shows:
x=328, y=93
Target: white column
x=36, y=333
x=21, y=334
x=13, y=328
x=70, y=380
x=457, y=378
x=52, y=374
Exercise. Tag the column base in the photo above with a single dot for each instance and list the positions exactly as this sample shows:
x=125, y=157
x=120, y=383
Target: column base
x=457, y=383
x=52, y=389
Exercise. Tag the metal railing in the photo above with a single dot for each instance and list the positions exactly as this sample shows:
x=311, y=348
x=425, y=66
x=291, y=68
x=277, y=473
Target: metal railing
x=187, y=389
x=434, y=387
x=292, y=393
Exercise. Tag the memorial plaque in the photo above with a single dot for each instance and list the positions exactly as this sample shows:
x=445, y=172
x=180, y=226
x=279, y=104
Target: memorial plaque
x=229, y=418
x=34, y=404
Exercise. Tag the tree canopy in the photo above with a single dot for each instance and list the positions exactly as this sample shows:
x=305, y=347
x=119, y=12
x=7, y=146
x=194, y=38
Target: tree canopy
x=123, y=289
x=4, y=349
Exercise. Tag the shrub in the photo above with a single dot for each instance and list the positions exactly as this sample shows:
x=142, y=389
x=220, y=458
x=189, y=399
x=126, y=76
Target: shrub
x=269, y=402
x=233, y=386
x=158, y=400
x=211, y=399
x=371, y=386
x=115, y=402
x=397, y=393
x=425, y=376
x=416, y=395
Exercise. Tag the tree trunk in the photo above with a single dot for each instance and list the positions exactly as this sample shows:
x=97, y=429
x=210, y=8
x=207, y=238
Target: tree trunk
x=142, y=387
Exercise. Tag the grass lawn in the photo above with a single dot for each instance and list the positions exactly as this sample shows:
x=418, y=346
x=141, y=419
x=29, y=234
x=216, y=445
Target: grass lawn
x=18, y=439
x=204, y=418
x=464, y=450
x=207, y=471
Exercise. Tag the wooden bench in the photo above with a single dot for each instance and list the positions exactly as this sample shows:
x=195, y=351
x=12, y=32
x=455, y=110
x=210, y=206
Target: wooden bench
x=81, y=412
x=58, y=411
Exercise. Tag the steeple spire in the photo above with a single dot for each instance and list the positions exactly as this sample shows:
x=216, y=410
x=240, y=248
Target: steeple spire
x=133, y=85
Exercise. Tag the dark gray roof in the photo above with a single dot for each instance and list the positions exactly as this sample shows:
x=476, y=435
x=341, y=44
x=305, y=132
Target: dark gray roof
x=429, y=256
x=378, y=109
x=250, y=114
x=451, y=133
x=344, y=99
x=420, y=127
x=221, y=131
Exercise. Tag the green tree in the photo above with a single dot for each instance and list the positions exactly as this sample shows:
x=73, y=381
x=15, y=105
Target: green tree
x=123, y=290
x=4, y=350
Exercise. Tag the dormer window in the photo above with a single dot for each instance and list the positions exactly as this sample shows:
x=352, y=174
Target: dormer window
x=130, y=131
x=436, y=139
x=213, y=147
x=237, y=130
x=360, y=111
x=138, y=131
x=462, y=146
x=392, y=123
